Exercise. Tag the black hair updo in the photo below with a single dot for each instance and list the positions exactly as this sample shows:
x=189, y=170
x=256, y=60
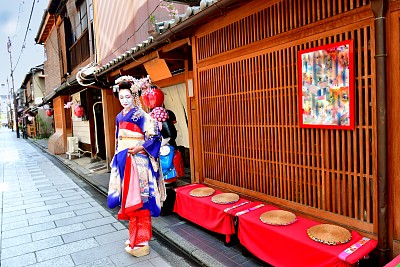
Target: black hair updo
x=125, y=85
x=122, y=85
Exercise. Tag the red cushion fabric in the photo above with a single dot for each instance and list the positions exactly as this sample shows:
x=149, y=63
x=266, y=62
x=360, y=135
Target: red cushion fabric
x=202, y=211
x=394, y=263
x=280, y=246
x=290, y=245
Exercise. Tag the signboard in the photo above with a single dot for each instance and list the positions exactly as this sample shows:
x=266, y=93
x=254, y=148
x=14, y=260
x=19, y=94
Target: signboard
x=326, y=86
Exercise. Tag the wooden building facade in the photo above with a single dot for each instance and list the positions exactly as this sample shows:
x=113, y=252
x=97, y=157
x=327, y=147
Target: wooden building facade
x=241, y=77
x=66, y=31
x=247, y=134
x=393, y=98
x=113, y=39
x=247, y=93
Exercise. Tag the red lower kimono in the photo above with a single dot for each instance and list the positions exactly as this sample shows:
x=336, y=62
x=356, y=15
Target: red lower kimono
x=139, y=227
x=139, y=220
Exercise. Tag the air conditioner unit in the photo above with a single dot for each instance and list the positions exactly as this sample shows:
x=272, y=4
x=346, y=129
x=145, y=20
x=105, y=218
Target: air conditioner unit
x=72, y=147
x=72, y=144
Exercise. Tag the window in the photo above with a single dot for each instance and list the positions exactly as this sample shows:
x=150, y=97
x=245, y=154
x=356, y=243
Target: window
x=81, y=20
x=90, y=10
x=32, y=91
x=79, y=48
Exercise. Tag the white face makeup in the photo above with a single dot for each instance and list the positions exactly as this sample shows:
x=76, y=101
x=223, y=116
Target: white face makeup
x=126, y=99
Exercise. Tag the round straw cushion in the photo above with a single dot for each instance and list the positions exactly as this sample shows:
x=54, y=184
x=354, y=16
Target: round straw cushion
x=202, y=192
x=278, y=217
x=329, y=234
x=225, y=198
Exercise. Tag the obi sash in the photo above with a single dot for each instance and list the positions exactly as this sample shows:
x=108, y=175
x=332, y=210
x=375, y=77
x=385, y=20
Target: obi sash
x=129, y=135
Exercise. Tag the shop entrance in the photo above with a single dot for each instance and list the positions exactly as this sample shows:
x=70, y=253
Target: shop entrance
x=175, y=101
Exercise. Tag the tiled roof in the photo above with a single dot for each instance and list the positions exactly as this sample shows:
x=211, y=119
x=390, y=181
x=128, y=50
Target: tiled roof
x=162, y=27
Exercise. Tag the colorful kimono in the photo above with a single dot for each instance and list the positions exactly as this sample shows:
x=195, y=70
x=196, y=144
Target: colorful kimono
x=135, y=182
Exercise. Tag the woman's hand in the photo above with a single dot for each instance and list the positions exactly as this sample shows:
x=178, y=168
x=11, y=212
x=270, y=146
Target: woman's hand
x=135, y=149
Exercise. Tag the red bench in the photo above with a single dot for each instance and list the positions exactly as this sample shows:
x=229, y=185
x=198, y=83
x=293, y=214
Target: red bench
x=394, y=263
x=290, y=245
x=278, y=245
x=202, y=211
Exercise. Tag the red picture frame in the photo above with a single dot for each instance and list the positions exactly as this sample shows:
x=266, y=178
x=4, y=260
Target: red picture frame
x=326, y=86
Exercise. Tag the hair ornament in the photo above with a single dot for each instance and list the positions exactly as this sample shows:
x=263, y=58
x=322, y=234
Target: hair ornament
x=159, y=113
x=136, y=84
x=125, y=78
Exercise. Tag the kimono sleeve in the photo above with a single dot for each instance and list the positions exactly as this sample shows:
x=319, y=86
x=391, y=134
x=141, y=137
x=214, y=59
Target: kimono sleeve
x=152, y=142
x=116, y=132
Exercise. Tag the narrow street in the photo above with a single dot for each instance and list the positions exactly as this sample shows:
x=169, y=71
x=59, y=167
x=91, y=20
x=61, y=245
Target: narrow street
x=49, y=217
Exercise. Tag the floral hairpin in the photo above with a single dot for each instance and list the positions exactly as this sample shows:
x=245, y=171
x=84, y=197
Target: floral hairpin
x=136, y=84
x=125, y=78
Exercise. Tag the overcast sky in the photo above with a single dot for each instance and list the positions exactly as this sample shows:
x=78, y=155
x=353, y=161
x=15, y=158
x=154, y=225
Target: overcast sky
x=14, y=17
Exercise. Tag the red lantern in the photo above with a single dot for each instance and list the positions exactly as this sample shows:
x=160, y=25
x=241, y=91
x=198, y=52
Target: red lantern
x=49, y=112
x=79, y=111
x=153, y=97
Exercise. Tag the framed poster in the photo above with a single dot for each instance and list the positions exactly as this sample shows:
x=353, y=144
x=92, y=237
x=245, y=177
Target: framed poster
x=326, y=86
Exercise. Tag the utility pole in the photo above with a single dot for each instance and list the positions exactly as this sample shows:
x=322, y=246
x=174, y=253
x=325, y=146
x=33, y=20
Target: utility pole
x=9, y=106
x=13, y=89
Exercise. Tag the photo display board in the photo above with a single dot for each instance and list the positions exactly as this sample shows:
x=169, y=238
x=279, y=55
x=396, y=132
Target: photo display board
x=326, y=86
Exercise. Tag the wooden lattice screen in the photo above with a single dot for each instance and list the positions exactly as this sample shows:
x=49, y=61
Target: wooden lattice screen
x=251, y=139
x=276, y=19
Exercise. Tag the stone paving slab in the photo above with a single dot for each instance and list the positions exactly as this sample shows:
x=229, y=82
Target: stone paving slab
x=65, y=261
x=104, y=262
x=20, y=261
x=77, y=227
x=15, y=241
x=169, y=228
x=66, y=208
x=47, y=219
x=28, y=230
x=87, y=233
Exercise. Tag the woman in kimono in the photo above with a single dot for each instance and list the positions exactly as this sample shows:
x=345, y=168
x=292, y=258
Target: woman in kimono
x=135, y=182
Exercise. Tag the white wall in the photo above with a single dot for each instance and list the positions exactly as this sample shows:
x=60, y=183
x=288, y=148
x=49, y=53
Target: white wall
x=80, y=128
x=175, y=100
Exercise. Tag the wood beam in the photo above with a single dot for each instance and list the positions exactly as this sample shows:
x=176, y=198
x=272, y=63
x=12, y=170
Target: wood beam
x=172, y=56
x=134, y=64
x=139, y=61
x=174, y=45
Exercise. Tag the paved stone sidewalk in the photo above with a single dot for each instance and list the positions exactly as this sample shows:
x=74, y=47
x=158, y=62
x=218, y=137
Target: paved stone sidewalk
x=48, y=220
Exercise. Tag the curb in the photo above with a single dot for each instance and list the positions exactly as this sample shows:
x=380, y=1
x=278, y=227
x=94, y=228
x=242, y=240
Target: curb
x=163, y=233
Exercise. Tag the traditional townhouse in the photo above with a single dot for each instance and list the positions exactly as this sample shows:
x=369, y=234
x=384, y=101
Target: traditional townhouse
x=5, y=106
x=246, y=74
x=248, y=78
x=36, y=120
x=118, y=42
x=66, y=31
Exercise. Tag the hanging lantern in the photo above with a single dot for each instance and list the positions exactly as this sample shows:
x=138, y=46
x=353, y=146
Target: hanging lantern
x=79, y=111
x=49, y=112
x=30, y=118
x=153, y=97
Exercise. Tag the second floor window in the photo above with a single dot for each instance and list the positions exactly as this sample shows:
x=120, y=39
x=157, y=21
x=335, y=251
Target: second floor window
x=81, y=20
x=32, y=92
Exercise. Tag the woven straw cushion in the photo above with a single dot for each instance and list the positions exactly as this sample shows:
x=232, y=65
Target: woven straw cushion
x=225, y=198
x=278, y=217
x=329, y=234
x=202, y=192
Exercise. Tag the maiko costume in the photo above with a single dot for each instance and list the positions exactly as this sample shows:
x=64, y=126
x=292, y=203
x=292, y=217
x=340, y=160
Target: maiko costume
x=135, y=182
